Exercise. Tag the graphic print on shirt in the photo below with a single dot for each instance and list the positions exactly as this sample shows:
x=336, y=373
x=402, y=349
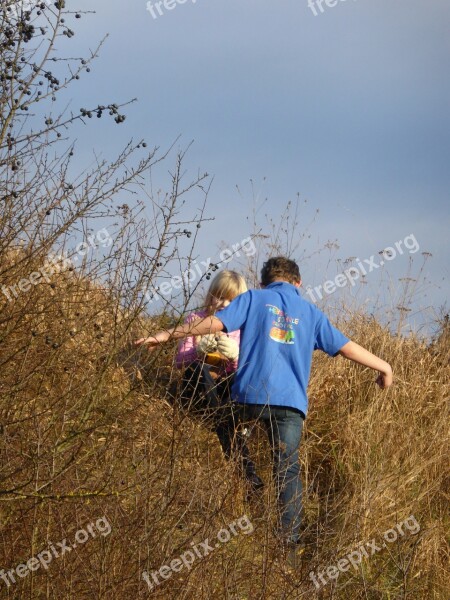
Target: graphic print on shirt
x=282, y=330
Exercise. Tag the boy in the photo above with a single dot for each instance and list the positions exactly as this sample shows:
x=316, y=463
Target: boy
x=279, y=332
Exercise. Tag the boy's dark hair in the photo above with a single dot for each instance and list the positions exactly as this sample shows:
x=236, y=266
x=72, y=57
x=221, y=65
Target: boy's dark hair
x=282, y=268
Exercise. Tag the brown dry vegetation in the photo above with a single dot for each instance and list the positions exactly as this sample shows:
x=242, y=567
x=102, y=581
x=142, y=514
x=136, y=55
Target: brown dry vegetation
x=83, y=437
x=86, y=431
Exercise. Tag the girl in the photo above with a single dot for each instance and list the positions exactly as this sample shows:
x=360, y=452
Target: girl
x=209, y=363
x=220, y=351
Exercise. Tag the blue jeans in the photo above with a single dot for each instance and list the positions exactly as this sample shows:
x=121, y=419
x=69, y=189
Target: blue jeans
x=284, y=429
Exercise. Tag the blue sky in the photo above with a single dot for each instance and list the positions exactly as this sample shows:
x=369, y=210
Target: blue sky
x=348, y=108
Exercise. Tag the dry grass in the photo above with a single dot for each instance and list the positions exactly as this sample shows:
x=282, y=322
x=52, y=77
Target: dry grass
x=84, y=436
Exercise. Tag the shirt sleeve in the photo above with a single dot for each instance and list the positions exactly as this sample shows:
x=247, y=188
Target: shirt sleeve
x=328, y=338
x=234, y=315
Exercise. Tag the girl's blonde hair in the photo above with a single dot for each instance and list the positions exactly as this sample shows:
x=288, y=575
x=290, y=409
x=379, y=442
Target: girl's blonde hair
x=226, y=285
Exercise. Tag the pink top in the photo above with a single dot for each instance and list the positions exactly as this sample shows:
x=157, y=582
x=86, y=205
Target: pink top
x=187, y=348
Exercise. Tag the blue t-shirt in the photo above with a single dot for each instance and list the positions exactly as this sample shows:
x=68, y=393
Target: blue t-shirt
x=279, y=331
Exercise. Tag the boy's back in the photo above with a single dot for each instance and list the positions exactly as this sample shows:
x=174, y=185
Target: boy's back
x=279, y=331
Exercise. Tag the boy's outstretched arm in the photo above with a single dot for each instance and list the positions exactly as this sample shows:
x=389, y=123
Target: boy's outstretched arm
x=200, y=326
x=360, y=355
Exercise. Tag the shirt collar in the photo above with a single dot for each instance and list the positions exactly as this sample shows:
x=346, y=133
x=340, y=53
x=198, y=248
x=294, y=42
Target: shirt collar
x=287, y=286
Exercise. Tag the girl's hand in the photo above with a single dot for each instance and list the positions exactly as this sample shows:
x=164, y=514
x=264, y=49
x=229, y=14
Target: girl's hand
x=228, y=347
x=207, y=344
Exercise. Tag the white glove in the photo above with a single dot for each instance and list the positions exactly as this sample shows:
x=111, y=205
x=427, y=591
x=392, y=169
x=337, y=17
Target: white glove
x=207, y=344
x=228, y=347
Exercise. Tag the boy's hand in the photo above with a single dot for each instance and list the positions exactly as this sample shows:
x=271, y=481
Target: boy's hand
x=153, y=340
x=384, y=380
